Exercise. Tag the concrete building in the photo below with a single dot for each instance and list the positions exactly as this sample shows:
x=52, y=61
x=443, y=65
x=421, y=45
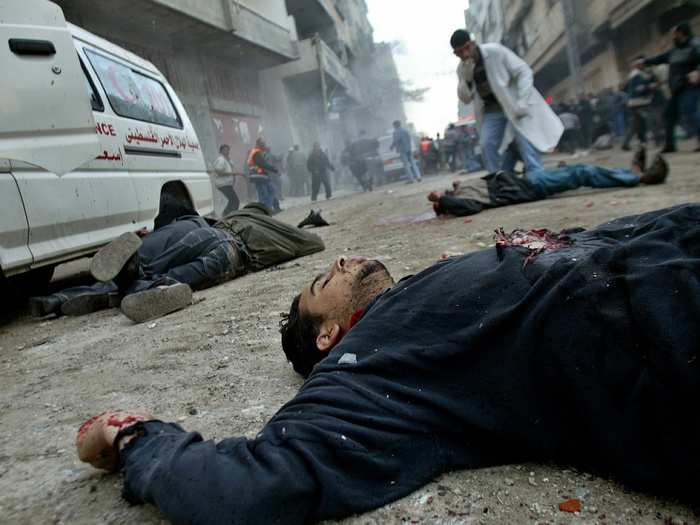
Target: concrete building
x=210, y=51
x=484, y=19
x=609, y=33
x=341, y=84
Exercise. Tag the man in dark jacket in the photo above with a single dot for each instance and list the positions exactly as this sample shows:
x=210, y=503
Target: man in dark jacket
x=684, y=83
x=582, y=351
x=319, y=165
x=362, y=157
x=640, y=88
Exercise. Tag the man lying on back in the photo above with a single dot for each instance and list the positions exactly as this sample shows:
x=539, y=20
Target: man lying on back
x=578, y=348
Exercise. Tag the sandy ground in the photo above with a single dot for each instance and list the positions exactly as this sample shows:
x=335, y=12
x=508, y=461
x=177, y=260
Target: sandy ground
x=217, y=367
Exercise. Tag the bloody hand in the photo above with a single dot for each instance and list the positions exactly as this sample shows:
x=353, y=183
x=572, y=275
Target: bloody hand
x=95, y=439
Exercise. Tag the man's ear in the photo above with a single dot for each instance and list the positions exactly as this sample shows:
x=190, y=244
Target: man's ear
x=328, y=336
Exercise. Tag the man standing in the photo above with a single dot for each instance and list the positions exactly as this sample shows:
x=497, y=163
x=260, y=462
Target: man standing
x=224, y=179
x=319, y=165
x=506, y=104
x=640, y=88
x=259, y=168
x=402, y=145
x=362, y=155
x=296, y=169
x=684, y=83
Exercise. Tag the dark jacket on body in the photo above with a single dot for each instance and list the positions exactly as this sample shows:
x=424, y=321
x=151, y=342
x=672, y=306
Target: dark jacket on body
x=587, y=356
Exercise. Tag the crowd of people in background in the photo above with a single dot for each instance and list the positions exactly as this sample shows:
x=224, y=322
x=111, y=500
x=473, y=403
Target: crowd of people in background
x=642, y=108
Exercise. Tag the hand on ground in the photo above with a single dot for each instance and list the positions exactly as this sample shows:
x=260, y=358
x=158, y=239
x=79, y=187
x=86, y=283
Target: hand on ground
x=95, y=439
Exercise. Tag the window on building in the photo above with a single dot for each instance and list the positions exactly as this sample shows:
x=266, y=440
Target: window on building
x=132, y=94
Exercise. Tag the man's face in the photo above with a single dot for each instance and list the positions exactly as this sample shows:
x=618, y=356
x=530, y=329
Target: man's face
x=349, y=285
x=225, y=152
x=465, y=51
x=678, y=38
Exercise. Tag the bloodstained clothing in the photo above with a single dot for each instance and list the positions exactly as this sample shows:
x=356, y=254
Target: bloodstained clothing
x=586, y=356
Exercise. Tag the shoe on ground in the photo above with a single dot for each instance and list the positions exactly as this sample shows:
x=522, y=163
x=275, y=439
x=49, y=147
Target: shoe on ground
x=640, y=158
x=89, y=303
x=625, y=148
x=109, y=261
x=45, y=305
x=313, y=219
x=668, y=149
x=156, y=302
x=657, y=172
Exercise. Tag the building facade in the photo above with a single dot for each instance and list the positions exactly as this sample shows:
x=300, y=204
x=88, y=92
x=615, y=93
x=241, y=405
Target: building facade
x=342, y=83
x=484, y=19
x=609, y=35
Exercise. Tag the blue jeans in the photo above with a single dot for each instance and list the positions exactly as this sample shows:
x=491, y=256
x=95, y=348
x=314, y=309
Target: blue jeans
x=493, y=127
x=410, y=165
x=683, y=106
x=557, y=180
x=266, y=193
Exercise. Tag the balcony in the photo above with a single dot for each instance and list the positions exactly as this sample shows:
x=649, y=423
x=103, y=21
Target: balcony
x=221, y=28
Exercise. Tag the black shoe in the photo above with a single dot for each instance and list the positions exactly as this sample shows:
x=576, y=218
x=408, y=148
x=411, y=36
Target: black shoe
x=46, y=305
x=669, y=149
x=657, y=172
x=640, y=158
x=156, y=302
x=111, y=259
x=314, y=219
x=89, y=303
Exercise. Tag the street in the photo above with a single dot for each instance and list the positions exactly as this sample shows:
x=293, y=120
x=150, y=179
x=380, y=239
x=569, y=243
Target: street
x=217, y=367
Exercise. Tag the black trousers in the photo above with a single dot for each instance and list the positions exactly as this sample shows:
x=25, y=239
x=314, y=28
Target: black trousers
x=317, y=179
x=233, y=201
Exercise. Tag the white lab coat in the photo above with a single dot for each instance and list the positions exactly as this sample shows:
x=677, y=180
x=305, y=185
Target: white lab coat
x=511, y=82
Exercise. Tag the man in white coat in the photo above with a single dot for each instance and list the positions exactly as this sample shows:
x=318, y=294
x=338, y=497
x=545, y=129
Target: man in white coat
x=507, y=106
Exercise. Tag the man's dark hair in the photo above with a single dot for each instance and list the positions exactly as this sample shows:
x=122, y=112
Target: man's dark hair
x=459, y=38
x=221, y=148
x=397, y=123
x=299, y=331
x=684, y=28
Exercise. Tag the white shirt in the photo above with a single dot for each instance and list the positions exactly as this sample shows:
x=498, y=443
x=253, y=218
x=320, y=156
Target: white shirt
x=224, y=171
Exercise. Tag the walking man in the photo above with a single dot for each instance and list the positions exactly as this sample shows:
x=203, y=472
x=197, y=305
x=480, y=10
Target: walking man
x=225, y=178
x=402, y=145
x=684, y=83
x=640, y=88
x=319, y=165
x=506, y=104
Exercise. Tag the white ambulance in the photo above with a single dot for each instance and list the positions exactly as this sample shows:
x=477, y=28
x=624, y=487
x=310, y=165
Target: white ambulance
x=91, y=138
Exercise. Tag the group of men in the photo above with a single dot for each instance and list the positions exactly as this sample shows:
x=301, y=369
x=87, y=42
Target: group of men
x=261, y=173
x=577, y=347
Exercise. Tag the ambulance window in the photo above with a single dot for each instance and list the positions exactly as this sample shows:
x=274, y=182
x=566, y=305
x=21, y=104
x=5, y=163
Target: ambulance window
x=95, y=99
x=132, y=94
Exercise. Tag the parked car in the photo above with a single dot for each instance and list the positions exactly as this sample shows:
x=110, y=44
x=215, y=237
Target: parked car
x=92, y=139
x=393, y=167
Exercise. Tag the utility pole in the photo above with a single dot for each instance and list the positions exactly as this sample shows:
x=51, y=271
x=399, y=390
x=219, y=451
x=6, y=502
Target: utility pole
x=319, y=58
x=572, y=50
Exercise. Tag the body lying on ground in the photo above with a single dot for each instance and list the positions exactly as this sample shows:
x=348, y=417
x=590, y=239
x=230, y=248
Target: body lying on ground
x=187, y=251
x=503, y=189
x=583, y=352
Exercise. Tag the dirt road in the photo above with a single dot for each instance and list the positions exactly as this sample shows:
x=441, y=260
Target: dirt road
x=217, y=367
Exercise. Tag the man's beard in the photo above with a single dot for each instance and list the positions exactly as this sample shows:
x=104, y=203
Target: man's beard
x=372, y=278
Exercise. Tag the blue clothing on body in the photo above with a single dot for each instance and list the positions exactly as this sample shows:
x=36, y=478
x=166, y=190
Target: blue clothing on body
x=402, y=141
